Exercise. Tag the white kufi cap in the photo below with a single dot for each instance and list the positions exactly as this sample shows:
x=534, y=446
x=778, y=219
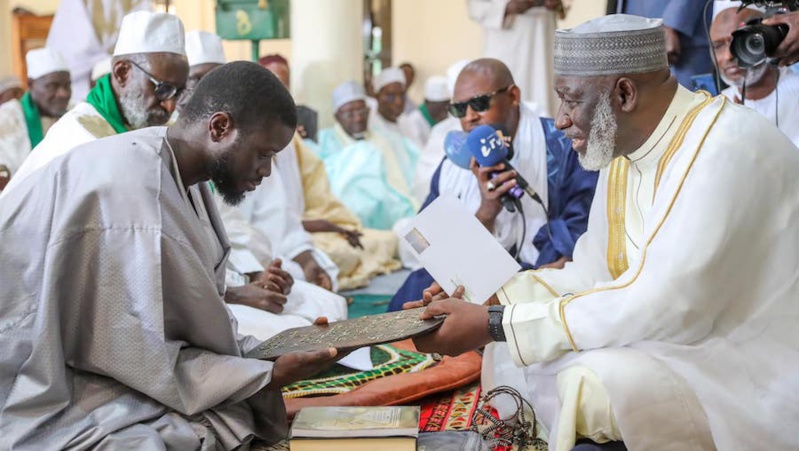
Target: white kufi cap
x=721, y=5
x=101, y=68
x=435, y=89
x=452, y=75
x=148, y=32
x=44, y=61
x=388, y=76
x=347, y=92
x=203, y=47
x=611, y=45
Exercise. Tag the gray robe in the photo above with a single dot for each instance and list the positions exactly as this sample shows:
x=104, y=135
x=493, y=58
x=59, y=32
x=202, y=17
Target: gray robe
x=113, y=331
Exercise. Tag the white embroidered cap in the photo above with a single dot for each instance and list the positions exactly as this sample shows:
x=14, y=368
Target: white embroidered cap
x=43, y=61
x=149, y=32
x=203, y=47
x=347, y=92
x=388, y=76
x=611, y=45
x=435, y=89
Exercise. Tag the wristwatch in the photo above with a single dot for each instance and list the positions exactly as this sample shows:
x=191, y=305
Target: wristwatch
x=495, y=313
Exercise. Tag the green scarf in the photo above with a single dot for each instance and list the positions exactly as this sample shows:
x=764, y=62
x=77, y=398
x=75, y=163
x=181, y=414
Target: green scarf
x=426, y=114
x=32, y=119
x=102, y=98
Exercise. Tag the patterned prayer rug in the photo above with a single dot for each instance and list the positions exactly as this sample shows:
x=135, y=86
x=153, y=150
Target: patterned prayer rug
x=387, y=360
x=450, y=411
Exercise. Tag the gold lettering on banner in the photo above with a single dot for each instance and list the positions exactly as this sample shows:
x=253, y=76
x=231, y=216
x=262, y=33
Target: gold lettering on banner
x=243, y=24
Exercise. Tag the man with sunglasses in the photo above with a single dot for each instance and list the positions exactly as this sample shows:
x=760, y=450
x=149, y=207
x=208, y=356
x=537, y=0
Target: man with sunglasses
x=485, y=94
x=24, y=122
x=675, y=325
x=149, y=71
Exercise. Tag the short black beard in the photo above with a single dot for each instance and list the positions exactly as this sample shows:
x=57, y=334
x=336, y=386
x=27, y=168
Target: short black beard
x=224, y=181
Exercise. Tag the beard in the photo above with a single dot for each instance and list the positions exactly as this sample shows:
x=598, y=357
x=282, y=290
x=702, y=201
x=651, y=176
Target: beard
x=134, y=109
x=753, y=75
x=601, y=142
x=224, y=181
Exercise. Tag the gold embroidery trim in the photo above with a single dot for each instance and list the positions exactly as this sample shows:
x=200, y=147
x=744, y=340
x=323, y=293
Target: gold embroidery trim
x=678, y=139
x=545, y=285
x=617, y=203
x=617, y=193
x=566, y=301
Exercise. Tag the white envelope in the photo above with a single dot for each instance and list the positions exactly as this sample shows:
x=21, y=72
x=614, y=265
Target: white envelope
x=456, y=249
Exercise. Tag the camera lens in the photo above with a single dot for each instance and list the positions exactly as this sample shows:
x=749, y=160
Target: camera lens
x=755, y=45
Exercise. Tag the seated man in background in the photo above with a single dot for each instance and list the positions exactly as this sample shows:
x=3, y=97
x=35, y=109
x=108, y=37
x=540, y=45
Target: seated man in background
x=362, y=165
x=24, y=122
x=115, y=295
x=485, y=94
x=771, y=91
x=432, y=111
x=387, y=118
x=149, y=72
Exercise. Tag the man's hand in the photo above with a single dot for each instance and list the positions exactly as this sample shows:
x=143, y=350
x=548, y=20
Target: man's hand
x=434, y=293
x=502, y=182
x=557, y=264
x=297, y=366
x=465, y=328
x=276, y=279
x=253, y=295
x=672, y=45
x=520, y=6
x=788, y=49
x=313, y=272
x=323, y=225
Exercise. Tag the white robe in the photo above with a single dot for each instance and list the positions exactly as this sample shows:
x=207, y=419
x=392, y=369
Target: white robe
x=15, y=144
x=274, y=210
x=113, y=332
x=78, y=126
x=524, y=42
x=684, y=305
x=431, y=156
x=416, y=126
x=785, y=114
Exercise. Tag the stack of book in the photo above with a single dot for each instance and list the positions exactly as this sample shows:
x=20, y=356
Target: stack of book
x=355, y=429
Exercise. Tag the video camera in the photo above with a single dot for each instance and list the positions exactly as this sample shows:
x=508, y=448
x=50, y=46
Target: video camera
x=752, y=43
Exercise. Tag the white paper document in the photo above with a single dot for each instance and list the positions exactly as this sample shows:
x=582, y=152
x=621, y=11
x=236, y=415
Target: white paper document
x=456, y=249
x=359, y=359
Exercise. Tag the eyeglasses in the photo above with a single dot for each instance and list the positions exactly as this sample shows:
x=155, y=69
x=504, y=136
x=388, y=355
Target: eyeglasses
x=163, y=90
x=478, y=103
x=352, y=114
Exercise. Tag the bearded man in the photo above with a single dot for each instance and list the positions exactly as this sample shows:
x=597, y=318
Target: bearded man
x=675, y=325
x=149, y=71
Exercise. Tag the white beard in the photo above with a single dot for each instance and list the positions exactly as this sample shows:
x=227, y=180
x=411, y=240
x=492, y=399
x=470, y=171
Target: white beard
x=132, y=106
x=753, y=75
x=602, y=139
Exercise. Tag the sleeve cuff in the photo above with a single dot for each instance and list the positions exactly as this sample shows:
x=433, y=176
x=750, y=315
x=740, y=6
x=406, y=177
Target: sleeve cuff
x=534, y=332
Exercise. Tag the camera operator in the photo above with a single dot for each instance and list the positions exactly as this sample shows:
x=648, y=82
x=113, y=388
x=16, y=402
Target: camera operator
x=767, y=89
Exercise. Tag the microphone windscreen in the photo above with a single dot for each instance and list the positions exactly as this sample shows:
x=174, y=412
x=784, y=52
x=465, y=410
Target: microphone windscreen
x=486, y=146
x=456, y=150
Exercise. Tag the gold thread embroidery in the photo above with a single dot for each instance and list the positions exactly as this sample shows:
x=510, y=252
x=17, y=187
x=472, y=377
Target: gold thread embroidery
x=566, y=301
x=617, y=203
x=678, y=139
x=617, y=193
x=546, y=285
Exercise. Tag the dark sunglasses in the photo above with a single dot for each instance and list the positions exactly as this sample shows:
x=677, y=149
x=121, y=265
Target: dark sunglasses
x=478, y=103
x=163, y=90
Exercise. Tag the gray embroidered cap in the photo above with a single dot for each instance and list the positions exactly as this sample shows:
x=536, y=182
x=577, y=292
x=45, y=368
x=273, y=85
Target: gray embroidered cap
x=611, y=45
